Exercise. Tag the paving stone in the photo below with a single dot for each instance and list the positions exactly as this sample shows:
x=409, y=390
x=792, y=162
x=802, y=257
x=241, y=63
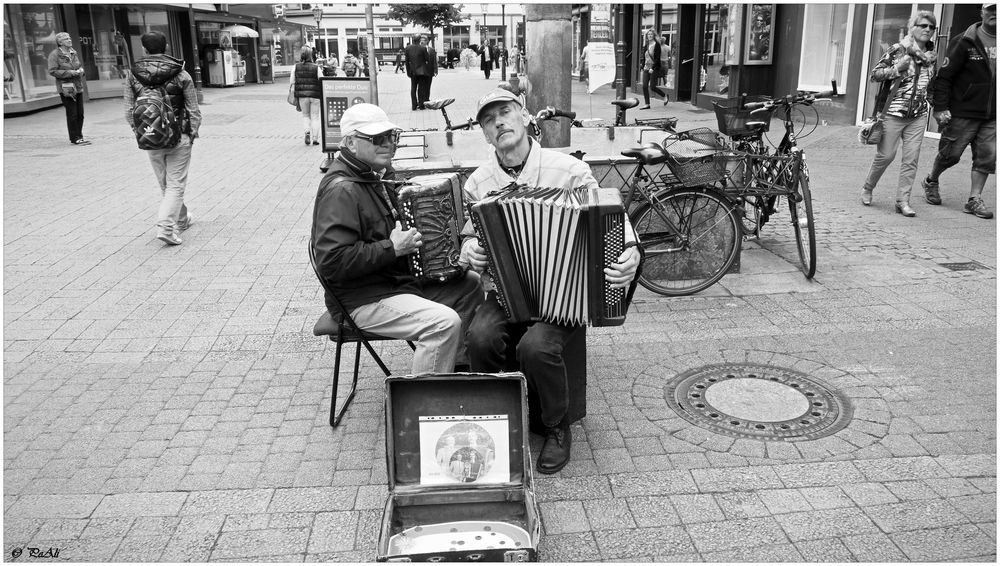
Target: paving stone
x=571, y=547
x=735, y=479
x=824, y=550
x=308, y=499
x=607, y=514
x=735, y=534
x=629, y=543
x=783, y=500
x=949, y=543
x=952, y=487
x=875, y=547
x=54, y=506
x=976, y=508
x=696, y=508
x=228, y=501
x=865, y=494
x=770, y=553
x=653, y=511
x=741, y=505
x=273, y=542
x=562, y=517
x=147, y=548
x=140, y=504
x=826, y=523
x=817, y=474
x=333, y=532
x=913, y=515
x=901, y=469
x=651, y=483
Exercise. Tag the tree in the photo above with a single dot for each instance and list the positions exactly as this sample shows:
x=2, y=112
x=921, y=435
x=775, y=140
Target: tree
x=426, y=15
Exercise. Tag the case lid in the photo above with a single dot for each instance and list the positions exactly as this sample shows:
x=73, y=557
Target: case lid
x=451, y=431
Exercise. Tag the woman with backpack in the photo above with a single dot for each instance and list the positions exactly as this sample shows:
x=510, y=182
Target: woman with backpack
x=651, y=68
x=306, y=86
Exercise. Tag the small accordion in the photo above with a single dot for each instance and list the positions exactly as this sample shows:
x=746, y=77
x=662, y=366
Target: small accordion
x=433, y=204
x=546, y=250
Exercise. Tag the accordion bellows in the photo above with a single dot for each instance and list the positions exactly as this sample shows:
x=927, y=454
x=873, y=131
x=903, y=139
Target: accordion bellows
x=433, y=205
x=547, y=249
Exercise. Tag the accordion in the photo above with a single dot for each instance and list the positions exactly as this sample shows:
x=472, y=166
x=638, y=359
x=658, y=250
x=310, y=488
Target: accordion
x=546, y=250
x=432, y=204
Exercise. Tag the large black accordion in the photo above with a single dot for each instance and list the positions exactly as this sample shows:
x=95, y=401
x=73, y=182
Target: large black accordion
x=547, y=249
x=433, y=205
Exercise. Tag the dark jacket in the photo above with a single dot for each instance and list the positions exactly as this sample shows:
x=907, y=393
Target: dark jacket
x=417, y=61
x=656, y=58
x=483, y=64
x=62, y=66
x=163, y=70
x=307, y=81
x=351, y=226
x=965, y=85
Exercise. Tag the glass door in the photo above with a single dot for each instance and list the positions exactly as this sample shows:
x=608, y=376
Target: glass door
x=824, y=56
x=888, y=25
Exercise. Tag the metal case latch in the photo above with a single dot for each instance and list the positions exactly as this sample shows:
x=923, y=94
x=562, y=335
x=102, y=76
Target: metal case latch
x=515, y=556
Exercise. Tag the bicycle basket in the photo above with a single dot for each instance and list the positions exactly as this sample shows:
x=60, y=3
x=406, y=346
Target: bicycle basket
x=733, y=118
x=694, y=157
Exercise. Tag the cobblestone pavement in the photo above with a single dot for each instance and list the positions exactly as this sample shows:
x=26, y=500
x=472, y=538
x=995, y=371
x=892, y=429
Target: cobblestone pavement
x=170, y=403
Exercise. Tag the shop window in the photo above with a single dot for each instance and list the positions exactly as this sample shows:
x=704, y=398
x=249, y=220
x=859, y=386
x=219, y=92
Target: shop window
x=29, y=36
x=828, y=28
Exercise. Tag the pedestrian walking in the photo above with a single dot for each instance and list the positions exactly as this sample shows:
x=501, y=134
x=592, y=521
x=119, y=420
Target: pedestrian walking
x=309, y=92
x=584, y=64
x=965, y=106
x=487, y=55
x=420, y=71
x=170, y=165
x=432, y=61
x=399, y=61
x=350, y=66
x=362, y=252
x=904, y=70
x=64, y=64
x=651, y=68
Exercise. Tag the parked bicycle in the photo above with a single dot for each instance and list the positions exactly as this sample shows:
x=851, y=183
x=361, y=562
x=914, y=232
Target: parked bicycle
x=757, y=179
x=443, y=103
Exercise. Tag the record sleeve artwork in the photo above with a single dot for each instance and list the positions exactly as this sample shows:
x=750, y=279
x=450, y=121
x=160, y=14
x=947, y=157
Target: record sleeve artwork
x=464, y=449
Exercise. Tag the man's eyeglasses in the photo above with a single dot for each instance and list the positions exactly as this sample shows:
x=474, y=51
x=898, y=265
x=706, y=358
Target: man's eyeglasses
x=931, y=27
x=392, y=136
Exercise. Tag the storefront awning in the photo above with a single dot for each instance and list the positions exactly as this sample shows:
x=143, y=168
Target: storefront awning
x=241, y=31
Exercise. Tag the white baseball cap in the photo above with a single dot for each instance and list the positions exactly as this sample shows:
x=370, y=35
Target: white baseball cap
x=367, y=119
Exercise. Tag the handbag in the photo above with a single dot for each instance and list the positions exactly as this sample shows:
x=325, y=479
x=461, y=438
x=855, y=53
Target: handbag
x=68, y=89
x=872, y=128
x=292, y=99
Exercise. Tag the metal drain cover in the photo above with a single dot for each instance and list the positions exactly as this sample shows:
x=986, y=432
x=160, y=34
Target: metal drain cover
x=758, y=401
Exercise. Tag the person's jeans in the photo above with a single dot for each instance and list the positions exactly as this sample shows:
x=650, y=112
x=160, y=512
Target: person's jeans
x=310, y=116
x=911, y=132
x=957, y=135
x=646, y=78
x=539, y=354
x=171, y=169
x=74, y=116
x=436, y=322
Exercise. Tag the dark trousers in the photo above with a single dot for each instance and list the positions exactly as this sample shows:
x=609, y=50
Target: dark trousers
x=74, y=116
x=647, y=76
x=539, y=354
x=486, y=71
x=958, y=135
x=414, y=82
x=423, y=89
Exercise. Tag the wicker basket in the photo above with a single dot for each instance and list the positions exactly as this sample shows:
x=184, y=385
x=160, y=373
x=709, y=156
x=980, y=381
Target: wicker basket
x=695, y=157
x=733, y=118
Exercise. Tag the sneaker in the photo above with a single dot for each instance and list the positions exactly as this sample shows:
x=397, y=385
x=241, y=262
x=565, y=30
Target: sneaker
x=307, y=139
x=931, y=193
x=866, y=197
x=978, y=207
x=169, y=238
x=181, y=226
x=81, y=141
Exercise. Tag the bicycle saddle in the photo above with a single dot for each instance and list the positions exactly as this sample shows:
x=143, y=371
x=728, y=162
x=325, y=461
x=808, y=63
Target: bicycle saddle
x=438, y=104
x=649, y=154
x=626, y=103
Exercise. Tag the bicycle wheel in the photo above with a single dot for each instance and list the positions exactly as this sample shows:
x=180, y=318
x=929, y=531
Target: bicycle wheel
x=690, y=237
x=805, y=229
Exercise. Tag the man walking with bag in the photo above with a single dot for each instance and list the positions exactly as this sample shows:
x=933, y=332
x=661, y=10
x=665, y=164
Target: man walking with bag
x=965, y=106
x=151, y=77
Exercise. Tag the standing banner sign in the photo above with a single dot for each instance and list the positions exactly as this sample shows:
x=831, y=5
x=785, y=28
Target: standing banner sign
x=339, y=94
x=601, y=64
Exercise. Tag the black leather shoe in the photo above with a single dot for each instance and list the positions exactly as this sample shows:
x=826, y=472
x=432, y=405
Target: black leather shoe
x=555, y=451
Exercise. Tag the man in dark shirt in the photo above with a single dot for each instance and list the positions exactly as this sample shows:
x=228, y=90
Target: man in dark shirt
x=419, y=69
x=361, y=251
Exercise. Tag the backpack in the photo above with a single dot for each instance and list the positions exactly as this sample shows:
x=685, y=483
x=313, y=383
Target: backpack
x=153, y=119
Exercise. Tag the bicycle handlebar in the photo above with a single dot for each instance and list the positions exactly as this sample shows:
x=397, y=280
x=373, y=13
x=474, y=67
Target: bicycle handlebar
x=792, y=99
x=551, y=112
x=467, y=125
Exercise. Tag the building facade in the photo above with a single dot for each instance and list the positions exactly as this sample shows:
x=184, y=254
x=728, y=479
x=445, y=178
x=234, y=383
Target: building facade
x=719, y=51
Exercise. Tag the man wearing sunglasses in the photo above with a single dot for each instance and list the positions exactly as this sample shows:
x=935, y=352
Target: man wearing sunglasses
x=361, y=251
x=965, y=106
x=541, y=346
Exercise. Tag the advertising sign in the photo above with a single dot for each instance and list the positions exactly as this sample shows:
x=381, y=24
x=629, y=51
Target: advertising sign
x=339, y=94
x=600, y=22
x=601, y=63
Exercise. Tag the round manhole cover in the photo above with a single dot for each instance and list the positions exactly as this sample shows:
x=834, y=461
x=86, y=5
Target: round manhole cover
x=758, y=401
